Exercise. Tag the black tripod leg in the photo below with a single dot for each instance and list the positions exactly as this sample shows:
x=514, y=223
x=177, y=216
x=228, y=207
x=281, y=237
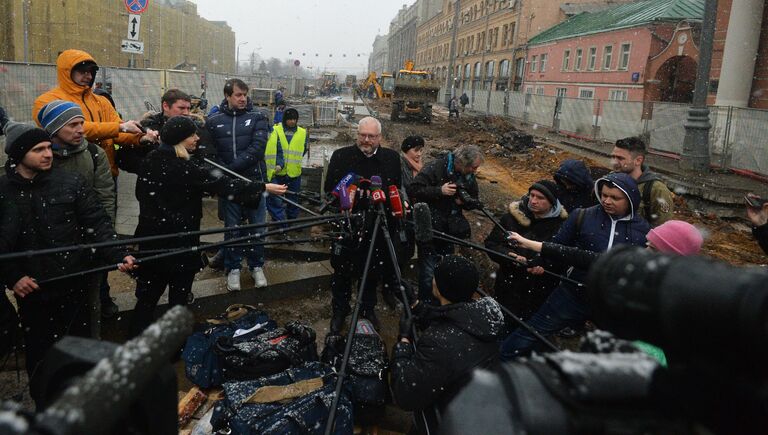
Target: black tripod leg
x=350, y=334
x=398, y=274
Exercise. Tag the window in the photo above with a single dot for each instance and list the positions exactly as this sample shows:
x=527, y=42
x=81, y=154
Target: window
x=592, y=58
x=618, y=95
x=544, y=58
x=566, y=60
x=467, y=71
x=562, y=92
x=529, y=90
x=511, y=34
x=586, y=93
x=579, y=53
x=504, y=34
x=539, y=90
x=490, y=67
x=504, y=69
x=478, y=66
x=607, y=56
x=534, y=63
x=624, y=59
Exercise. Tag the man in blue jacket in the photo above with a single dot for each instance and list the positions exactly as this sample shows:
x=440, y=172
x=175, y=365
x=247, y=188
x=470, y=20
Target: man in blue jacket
x=240, y=136
x=598, y=228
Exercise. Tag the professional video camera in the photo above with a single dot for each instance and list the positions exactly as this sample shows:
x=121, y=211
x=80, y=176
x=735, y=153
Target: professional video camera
x=710, y=318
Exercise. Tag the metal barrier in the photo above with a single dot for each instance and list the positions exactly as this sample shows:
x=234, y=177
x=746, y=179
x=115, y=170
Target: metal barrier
x=326, y=112
x=21, y=84
x=577, y=116
x=498, y=101
x=517, y=105
x=749, y=147
x=621, y=119
x=131, y=88
x=540, y=109
x=666, y=128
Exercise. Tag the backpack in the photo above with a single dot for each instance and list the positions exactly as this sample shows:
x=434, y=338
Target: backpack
x=265, y=352
x=646, y=200
x=302, y=399
x=367, y=367
x=201, y=362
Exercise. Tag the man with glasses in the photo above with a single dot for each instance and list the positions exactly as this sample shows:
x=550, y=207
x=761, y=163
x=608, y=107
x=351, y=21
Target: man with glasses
x=365, y=159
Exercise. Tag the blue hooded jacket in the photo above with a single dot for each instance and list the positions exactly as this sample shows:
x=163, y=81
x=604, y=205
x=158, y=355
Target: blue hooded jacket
x=240, y=138
x=580, y=195
x=600, y=231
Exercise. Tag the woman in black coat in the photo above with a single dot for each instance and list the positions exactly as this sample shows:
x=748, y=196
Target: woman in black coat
x=170, y=191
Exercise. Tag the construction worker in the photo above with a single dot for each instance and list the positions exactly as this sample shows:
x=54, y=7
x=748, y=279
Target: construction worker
x=286, y=147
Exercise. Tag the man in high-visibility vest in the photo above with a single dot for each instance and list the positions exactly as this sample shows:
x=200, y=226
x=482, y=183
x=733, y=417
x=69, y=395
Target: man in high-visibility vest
x=286, y=147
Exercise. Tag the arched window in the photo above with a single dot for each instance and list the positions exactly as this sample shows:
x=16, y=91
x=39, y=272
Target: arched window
x=489, y=69
x=467, y=71
x=504, y=69
x=478, y=66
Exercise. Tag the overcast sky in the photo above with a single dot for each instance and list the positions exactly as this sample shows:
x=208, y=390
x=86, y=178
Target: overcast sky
x=305, y=28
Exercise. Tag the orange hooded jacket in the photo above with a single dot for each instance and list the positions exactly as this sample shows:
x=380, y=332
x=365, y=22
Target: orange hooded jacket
x=102, y=123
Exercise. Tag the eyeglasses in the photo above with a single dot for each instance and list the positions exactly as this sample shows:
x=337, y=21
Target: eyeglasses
x=367, y=136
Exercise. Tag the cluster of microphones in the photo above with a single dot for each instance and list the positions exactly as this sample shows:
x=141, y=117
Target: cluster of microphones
x=353, y=190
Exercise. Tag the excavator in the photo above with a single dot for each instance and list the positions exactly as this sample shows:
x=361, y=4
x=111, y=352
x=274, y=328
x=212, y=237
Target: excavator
x=413, y=95
x=383, y=86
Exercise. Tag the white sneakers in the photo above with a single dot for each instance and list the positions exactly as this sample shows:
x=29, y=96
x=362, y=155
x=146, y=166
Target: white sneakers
x=258, y=277
x=233, y=280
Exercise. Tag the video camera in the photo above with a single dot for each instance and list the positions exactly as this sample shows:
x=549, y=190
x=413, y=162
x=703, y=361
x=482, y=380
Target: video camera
x=468, y=202
x=711, y=319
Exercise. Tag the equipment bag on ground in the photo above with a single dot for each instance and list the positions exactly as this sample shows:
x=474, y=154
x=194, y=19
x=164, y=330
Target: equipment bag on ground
x=295, y=401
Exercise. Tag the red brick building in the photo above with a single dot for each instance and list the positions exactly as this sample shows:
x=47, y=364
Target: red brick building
x=739, y=70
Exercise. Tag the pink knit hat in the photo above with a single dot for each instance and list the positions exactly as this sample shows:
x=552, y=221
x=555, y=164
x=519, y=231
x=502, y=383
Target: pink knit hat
x=676, y=237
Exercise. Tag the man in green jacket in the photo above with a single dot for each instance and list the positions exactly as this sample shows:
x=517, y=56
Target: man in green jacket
x=64, y=122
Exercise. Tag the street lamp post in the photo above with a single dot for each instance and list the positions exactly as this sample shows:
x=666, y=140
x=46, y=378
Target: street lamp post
x=237, y=57
x=695, y=155
x=450, y=81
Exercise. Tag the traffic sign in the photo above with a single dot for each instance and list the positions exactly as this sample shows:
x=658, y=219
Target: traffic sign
x=132, y=47
x=136, y=6
x=134, y=24
x=296, y=62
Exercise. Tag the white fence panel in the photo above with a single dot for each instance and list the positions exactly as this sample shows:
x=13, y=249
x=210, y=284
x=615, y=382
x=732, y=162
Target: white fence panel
x=131, y=88
x=666, y=128
x=541, y=110
x=517, y=105
x=621, y=119
x=21, y=84
x=577, y=116
x=749, y=150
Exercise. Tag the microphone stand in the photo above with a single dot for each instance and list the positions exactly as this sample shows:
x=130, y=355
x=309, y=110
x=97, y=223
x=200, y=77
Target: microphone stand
x=351, y=333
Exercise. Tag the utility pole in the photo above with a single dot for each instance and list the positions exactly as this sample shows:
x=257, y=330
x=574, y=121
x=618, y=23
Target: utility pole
x=25, y=14
x=695, y=156
x=449, y=80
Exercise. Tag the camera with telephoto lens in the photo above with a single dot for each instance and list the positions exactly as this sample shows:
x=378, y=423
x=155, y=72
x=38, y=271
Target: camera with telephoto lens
x=467, y=200
x=709, y=318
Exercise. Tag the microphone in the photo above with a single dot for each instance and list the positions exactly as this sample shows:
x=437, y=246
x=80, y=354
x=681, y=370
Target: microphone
x=377, y=195
x=352, y=192
x=376, y=182
x=345, y=202
x=422, y=219
x=395, y=204
x=344, y=182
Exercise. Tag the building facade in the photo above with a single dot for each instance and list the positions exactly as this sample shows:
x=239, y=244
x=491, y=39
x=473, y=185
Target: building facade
x=180, y=38
x=491, y=38
x=642, y=51
x=739, y=72
x=402, y=31
x=378, y=61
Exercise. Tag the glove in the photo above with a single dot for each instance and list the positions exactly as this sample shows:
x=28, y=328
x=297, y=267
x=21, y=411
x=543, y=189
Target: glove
x=536, y=262
x=406, y=326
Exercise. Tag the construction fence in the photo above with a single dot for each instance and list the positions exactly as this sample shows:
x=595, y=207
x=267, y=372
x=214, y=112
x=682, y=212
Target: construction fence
x=738, y=138
x=135, y=91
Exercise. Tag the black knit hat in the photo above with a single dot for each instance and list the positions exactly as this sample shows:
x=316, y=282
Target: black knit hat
x=411, y=142
x=547, y=188
x=20, y=138
x=456, y=278
x=177, y=129
x=290, y=113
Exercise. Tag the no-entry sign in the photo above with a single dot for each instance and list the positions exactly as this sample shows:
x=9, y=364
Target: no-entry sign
x=136, y=6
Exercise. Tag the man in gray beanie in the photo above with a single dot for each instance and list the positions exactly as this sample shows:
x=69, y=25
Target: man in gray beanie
x=64, y=122
x=55, y=209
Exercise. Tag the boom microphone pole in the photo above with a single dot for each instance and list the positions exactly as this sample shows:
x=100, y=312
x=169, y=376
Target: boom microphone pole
x=235, y=174
x=425, y=234
x=351, y=333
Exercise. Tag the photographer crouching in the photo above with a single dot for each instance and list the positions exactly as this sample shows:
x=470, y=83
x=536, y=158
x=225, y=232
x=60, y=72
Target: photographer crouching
x=353, y=169
x=448, y=186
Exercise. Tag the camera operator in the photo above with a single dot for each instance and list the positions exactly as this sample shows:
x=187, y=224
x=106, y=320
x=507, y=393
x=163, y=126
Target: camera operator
x=598, y=228
x=365, y=159
x=448, y=186
x=757, y=212
x=461, y=335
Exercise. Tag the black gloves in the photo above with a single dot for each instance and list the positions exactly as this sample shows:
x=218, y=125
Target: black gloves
x=406, y=327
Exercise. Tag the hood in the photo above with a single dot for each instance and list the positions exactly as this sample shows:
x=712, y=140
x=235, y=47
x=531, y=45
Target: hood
x=576, y=172
x=627, y=185
x=224, y=107
x=482, y=318
x=64, y=64
x=66, y=150
x=523, y=215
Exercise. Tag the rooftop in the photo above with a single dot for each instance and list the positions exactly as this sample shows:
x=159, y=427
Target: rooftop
x=623, y=16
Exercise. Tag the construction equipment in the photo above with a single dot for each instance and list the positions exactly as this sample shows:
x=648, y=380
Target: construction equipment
x=350, y=81
x=379, y=90
x=414, y=93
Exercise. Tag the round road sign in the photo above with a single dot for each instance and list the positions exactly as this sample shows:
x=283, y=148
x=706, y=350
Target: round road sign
x=136, y=6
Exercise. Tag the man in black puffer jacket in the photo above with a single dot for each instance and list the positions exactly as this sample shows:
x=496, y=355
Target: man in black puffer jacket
x=461, y=335
x=240, y=136
x=55, y=208
x=441, y=184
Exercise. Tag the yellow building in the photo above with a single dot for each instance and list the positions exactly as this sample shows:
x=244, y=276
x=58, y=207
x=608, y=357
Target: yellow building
x=174, y=35
x=491, y=39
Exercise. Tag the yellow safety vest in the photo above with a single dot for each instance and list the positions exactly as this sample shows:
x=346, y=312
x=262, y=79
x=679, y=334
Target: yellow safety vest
x=293, y=153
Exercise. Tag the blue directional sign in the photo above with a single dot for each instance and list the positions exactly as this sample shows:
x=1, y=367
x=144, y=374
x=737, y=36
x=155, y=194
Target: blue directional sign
x=136, y=6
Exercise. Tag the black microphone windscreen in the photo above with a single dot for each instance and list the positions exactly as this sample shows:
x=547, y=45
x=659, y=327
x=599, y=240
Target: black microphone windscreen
x=422, y=219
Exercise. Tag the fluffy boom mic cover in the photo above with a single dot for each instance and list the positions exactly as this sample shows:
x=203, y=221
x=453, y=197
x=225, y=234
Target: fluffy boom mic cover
x=422, y=218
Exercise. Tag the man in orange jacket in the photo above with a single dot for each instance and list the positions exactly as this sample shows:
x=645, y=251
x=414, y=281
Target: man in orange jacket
x=76, y=72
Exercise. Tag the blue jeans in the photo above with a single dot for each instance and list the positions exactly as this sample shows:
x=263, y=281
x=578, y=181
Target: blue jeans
x=429, y=256
x=279, y=209
x=562, y=309
x=234, y=214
